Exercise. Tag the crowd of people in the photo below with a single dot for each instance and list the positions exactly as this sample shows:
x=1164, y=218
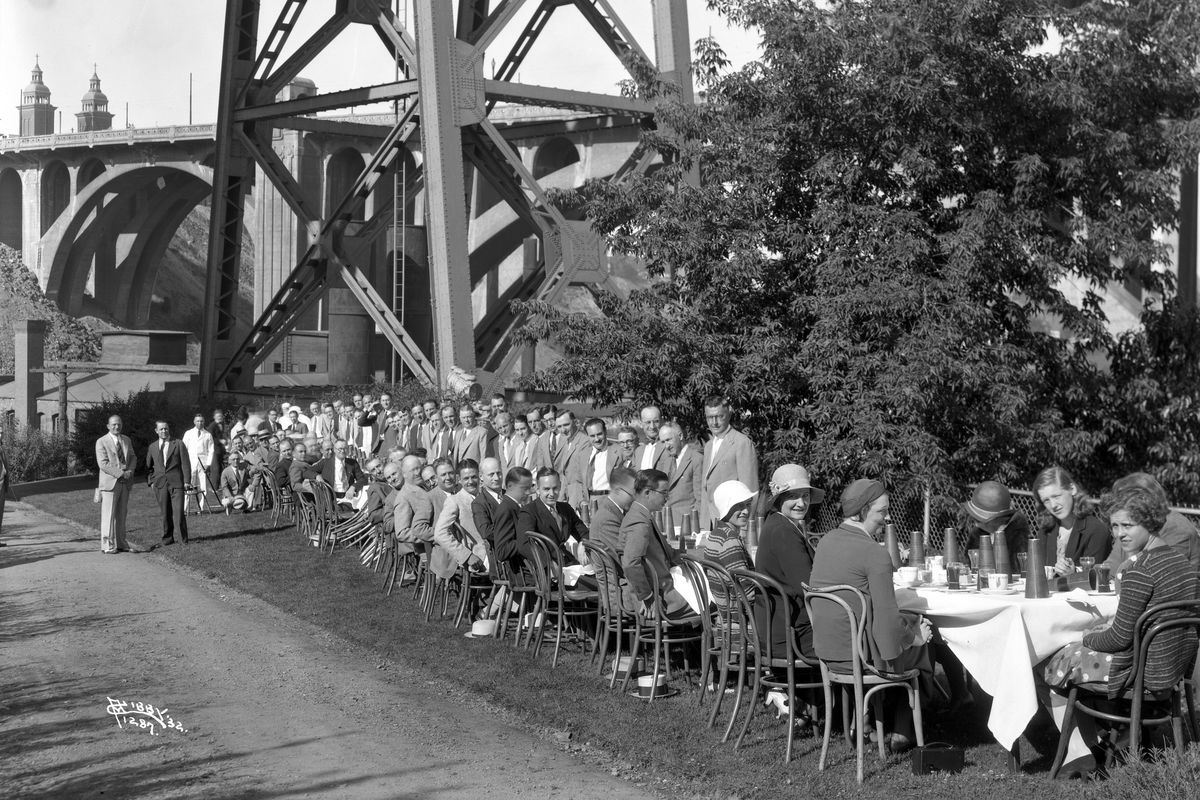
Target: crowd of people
x=465, y=485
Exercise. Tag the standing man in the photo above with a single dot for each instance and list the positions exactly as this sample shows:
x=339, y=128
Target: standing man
x=505, y=444
x=627, y=442
x=272, y=424
x=114, y=456
x=682, y=465
x=471, y=440
x=571, y=457
x=198, y=443
x=524, y=443
x=649, y=454
x=170, y=467
x=601, y=461
x=220, y=436
x=542, y=440
x=451, y=430
x=436, y=439
x=728, y=456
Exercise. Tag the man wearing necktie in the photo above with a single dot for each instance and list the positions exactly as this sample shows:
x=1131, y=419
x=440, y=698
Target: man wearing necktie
x=169, y=471
x=601, y=461
x=683, y=466
x=644, y=550
x=114, y=456
x=728, y=456
x=571, y=457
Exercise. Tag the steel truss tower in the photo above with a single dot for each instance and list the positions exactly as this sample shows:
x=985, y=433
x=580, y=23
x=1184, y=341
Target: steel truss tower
x=448, y=100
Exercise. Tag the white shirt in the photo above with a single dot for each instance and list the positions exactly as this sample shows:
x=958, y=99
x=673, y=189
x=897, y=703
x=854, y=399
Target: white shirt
x=600, y=470
x=199, y=444
x=339, y=475
x=716, y=445
x=648, y=456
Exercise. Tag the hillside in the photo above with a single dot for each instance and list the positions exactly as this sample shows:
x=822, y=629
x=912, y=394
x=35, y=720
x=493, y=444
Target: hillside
x=67, y=339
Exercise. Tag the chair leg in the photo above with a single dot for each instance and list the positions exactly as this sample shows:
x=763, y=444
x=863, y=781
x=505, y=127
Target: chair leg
x=828, y=691
x=720, y=689
x=914, y=702
x=877, y=707
x=634, y=649
x=657, y=655
x=737, y=699
x=792, y=701
x=847, y=728
x=1177, y=722
x=1064, y=737
x=754, y=692
x=860, y=732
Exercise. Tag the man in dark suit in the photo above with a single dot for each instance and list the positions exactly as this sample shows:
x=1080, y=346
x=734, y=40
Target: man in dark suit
x=169, y=468
x=517, y=484
x=483, y=507
x=649, y=454
x=272, y=424
x=549, y=517
x=283, y=463
x=340, y=472
x=300, y=472
x=644, y=549
x=220, y=435
x=627, y=442
x=610, y=510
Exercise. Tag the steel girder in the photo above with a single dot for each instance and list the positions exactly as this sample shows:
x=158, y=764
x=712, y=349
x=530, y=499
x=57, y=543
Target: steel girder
x=454, y=98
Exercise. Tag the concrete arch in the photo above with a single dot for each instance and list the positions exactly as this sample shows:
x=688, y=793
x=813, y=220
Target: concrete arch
x=56, y=192
x=88, y=171
x=554, y=155
x=141, y=205
x=11, y=208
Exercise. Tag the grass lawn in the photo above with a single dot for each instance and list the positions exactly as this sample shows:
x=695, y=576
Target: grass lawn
x=665, y=745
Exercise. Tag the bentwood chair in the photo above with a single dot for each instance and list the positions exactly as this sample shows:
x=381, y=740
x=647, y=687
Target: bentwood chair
x=614, y=619
x=1176, y=624
x=654, y=627
x=724, y=647
x=553, y=597
x=799, y=670
x=863, y=673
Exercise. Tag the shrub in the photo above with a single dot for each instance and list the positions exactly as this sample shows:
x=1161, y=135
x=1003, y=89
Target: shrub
x=32, y=455
x=138, y=412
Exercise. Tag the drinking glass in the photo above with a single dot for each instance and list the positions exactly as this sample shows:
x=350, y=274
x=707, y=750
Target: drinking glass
x=982, y=578
x=1086, y=563
x=1021, y=559
x=974, y=556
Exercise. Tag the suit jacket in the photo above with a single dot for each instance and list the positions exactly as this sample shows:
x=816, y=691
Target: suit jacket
x=452, y=549
x=299, y=472
x=353, y=477
x=483, y=514
x=412, y=437
x=542, y=447
x=411, y=516
x=199, y=445
x=282, y=471
x=504, y=534
x=608, y=459
x=233, y=481
x=439, y=444
x=684, y=475
x=437, y=496
x=644, y=550
x=535, y=517
x=660, y=459
x=110, y=464
x=735, y=461
x=379, y=495
x=175, y=471
x=471, y=443
x=571, y=460
x=606, y=525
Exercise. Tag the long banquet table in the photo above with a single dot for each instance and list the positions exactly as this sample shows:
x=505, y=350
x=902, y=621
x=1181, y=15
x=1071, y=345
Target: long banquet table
x=999, y=639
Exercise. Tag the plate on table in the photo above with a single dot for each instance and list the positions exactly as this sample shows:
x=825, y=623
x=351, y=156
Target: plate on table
x=1109, y=593
x=1006, y=590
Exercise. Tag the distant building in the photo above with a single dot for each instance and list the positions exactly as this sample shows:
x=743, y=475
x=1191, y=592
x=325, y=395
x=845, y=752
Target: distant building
x=37, y=115
x=94, y=115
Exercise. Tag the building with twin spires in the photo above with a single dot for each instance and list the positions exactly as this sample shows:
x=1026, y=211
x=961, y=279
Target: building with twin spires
x=37, y=115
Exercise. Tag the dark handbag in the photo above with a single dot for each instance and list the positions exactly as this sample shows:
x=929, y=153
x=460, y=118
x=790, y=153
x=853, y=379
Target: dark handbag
x=937, y=757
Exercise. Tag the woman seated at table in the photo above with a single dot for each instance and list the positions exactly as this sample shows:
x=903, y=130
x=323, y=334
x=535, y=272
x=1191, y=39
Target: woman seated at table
x=1103, y=662
x=785, y=553
x=850, y=555
x=1070, y=528
x=725, y=544
x=1177, y=531
x=990, y=512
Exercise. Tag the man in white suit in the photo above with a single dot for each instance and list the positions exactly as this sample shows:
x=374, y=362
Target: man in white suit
x=199, y=445
x=525, y=443
x=728, y=456
x=455, y=537
x=117, y=462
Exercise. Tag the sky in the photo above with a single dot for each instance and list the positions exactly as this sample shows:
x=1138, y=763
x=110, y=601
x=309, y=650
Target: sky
x=144, y=51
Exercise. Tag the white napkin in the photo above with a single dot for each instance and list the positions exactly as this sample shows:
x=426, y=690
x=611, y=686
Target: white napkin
x=685, y=589
x=571, y=574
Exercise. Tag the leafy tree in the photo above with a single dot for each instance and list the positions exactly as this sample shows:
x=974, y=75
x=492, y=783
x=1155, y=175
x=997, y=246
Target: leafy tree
x=892, y=200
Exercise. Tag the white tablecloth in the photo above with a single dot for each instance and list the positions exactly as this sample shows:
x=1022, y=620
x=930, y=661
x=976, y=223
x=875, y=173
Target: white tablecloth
x=999, y=638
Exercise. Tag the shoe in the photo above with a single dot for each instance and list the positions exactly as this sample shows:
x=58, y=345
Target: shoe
x=1081, y=768
x=898, y=743
x=108, y=552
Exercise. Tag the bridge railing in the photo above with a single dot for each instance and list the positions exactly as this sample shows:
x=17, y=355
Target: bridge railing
x=54, y=141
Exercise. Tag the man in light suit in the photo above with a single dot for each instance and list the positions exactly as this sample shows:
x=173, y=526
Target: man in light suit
x=234, y=490
x=571, y=451
x=410, y=516
x=324, y=425
x=199, y=445
x=601, y=461
x=643, y=548
x=610, y=511
x=505, y=444
x=170, y=467
x=542, y=441
x=117, y=462
x=728, y=456
x=649, y=454
x=455, y=537
x=682, y=462
x=524, y=443
x=471, y=441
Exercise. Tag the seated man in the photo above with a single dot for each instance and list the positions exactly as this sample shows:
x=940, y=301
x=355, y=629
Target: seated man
x=643, y=549
x=410, y=515
x=455, y=537
x=544, y=514
x=235, y=490
x=517, y=484
x=610, y=510
x=300, y=472
x=377, y=493
x=283, y=464
x=341, y=472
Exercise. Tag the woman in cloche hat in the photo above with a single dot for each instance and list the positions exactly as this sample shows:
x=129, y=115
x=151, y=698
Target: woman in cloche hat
x=990, y=511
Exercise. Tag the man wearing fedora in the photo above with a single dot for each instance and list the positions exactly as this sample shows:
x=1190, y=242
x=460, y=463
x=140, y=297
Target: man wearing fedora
x=728, y=456
x=990, y=511
x=643, y=548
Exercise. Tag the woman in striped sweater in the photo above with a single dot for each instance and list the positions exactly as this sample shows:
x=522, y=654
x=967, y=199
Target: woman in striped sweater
x=1156, y=573
x=725, y=545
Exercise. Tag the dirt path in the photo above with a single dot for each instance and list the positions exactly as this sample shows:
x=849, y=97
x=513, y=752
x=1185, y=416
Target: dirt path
x=271, y=707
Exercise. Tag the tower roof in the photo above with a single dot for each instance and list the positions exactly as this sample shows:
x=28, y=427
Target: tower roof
x=36, y=86
x=93, y=95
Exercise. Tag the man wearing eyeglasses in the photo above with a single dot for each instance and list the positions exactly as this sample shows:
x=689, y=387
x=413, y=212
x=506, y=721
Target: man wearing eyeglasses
x=644, y=551
x=341, y=473
x=728, y=456
x=681, y=461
